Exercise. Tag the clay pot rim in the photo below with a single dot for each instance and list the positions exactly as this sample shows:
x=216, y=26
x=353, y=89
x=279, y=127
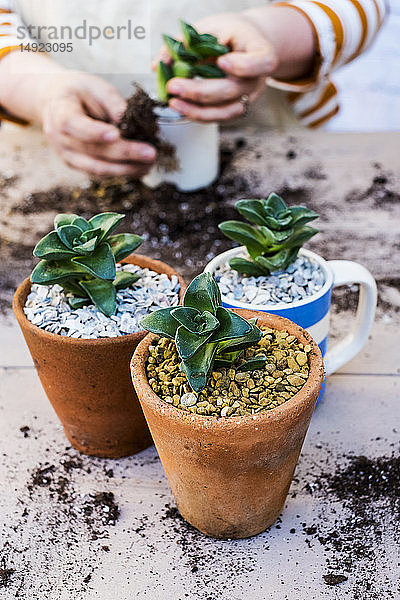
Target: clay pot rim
x=285, y=410
x=140, y=260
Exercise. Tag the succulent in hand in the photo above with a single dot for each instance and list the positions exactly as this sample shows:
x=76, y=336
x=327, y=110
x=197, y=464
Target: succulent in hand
x=275, y=237
x=205, y=333
x=81, y=256
x=190, y=58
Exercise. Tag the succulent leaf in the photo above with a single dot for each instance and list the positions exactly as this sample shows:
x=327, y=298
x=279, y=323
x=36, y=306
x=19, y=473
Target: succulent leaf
x=101, y=263
x=77, y=302
x=275, y=203
x=300, y=236
x=241, y=342
x=80, y=253
x=107, y=222
x=69, y=235
x=186, y=317
x=103, y=295
x=277, y=223
x=190, y=35
x=178, y=51
x=164, y=74
x=124, y=279
x=252, y=210
x=161, y=322
x=188, y=344
x=244, y=266
x=49, y=273
x=231, y=326
x=275, y=237
x=195, y=321
x=86, y=247
x=208, y=71
x=245, y=234
x=197, y=368
x=182, y=69
x=203, y=330
x=195, y=57
x=210, y=48
x=82, y=223
x=51, y=248
x=123, y=244
x=302, y=215
x=203, y=293
x=64, y=219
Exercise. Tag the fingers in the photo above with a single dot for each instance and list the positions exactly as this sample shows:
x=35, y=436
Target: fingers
x=211, y=91
x=70, y=120
x=208, y=114
x=102, y=99
x=216, y=112
x=256, y=63
x=100, y=168
x=121, y=151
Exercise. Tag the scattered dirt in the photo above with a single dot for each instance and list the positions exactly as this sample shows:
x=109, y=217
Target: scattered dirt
x=139, y=123
x=368, y=489
x=5, y=575
x=101, y=506
x=316, y=173
x=25, y=430
x=332, y=579
x=99, y=509
x=179, y=228
x=7, y=181
x=380, y=191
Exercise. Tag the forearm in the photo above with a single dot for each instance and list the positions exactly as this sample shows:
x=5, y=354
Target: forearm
x=24, y=77
x=292, y=36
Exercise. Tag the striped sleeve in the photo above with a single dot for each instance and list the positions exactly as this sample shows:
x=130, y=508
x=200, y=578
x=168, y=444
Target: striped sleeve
x=343, y=29
x=12, y=30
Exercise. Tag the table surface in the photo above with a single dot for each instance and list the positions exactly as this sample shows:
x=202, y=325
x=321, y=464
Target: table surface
x=62, y=545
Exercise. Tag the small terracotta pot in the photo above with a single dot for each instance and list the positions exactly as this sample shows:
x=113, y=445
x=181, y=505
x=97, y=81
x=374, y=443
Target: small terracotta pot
x=230, y=477
x=87, y=380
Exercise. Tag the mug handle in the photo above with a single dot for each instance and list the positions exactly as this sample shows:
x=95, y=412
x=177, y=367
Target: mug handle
x=348, y=272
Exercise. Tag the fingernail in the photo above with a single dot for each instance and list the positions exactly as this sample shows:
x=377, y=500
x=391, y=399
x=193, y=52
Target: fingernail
x=224, y=63
x=148, y=154
x=174, y=88
x=175, y=104
x=111, y=136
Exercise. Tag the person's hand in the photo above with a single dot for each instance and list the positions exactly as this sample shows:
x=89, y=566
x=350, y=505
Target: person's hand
x=78, y=114
x=248, y=65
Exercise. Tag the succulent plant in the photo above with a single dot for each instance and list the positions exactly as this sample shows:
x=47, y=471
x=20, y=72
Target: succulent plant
x=81, y=256
x=190, y=58
x=275, y=237
x=205, y=333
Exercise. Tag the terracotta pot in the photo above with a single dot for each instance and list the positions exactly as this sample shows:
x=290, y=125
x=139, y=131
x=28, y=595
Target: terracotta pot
x=230, y=477
x=88, y=383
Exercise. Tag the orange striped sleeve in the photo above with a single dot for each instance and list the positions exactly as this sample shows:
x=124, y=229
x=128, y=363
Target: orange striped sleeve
x=343, y=29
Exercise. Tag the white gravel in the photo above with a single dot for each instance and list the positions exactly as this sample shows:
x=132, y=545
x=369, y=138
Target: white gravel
x=301, y=279
x=48, y=308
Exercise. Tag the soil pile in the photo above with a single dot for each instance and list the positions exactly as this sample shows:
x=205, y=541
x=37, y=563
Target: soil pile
x=139, y=123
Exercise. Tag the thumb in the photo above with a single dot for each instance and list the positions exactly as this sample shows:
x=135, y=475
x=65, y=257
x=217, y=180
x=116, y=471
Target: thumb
x=257, y=63
x=103, y=100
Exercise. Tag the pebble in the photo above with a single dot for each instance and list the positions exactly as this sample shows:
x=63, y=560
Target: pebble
x=230, y=392
x=188, y=399
x=301, y=279
x=48, y=308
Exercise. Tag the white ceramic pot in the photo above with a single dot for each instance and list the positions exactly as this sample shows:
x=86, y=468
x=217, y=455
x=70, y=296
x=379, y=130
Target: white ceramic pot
x=197, y=151
x=312, y=313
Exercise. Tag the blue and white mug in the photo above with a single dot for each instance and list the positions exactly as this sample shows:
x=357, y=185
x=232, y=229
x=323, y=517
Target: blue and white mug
x=313, y=313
